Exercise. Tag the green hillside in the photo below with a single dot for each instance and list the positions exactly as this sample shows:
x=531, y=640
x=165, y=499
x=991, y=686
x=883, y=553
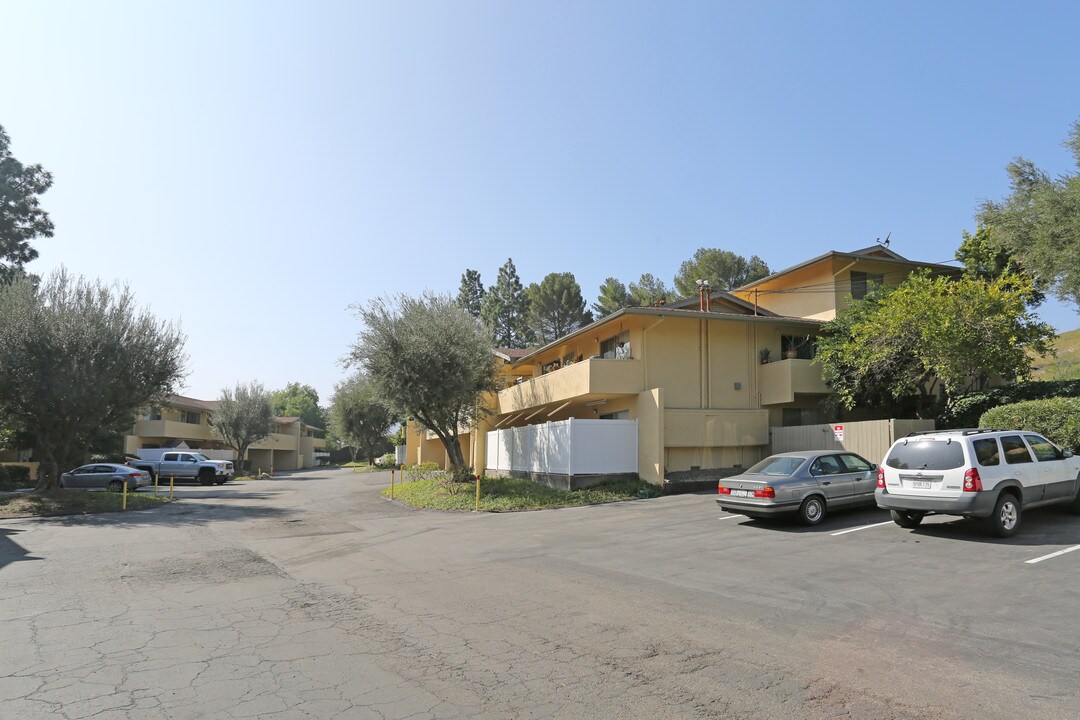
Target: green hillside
x=1066, y=366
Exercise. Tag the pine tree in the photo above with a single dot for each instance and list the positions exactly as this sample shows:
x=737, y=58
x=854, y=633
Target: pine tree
x=556, y=307
x=613, y=296
x=505, y=310
x=471, y=292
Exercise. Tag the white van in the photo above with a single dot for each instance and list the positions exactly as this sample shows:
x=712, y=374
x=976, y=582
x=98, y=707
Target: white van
x=990, y=474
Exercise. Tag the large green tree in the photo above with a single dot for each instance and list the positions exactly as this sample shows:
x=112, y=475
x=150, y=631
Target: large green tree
x=359, y=417
x=427, y=359
x=613, y=296
x=471, y=292
x=961, y=333
x=21, y=217
x=556, y=307
x=242, y=417
x=1038, y=222
x=77, y=357
x=298, y=400
x=722, y=268
x=505, y=310
x=648, y=291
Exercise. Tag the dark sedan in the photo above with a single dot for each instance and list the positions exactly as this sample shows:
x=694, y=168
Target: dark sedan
x=806, y=484
x=105, y=475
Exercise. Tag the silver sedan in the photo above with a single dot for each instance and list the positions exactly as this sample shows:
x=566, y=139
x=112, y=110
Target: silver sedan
x=808, y=484
x=105, y=475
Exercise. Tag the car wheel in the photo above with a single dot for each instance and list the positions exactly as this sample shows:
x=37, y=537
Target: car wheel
x=219, y=482
x=812, y=511
x=907, y=518
x=1005, y=520
x=116, y=486
x=1074, y=506
x=206, y=479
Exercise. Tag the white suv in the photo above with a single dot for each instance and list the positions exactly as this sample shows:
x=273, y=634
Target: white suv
x=990, y=474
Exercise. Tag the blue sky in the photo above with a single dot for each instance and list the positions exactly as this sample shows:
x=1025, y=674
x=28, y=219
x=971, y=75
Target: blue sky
x=251, y=169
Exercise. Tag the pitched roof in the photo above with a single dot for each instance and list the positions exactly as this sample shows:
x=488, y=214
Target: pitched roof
x=511, y=354
x=877, y=252
x=661, y=311
x=191, y=402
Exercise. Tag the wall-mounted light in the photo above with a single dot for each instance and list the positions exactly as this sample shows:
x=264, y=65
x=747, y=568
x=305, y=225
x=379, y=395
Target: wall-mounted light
x=738, y=386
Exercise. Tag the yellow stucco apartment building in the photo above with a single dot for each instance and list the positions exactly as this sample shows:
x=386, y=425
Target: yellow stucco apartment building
x=694, y=380
x=292, y=446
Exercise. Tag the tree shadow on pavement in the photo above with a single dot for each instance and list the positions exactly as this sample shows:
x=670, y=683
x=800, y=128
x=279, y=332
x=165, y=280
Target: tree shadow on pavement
x=11, y=551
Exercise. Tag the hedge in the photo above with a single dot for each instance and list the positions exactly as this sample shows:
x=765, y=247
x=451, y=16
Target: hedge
x=1058, y=419
x=966, y=410
x=17, y=475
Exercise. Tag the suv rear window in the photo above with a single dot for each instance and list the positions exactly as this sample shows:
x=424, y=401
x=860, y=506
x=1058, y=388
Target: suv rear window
x=926, y=455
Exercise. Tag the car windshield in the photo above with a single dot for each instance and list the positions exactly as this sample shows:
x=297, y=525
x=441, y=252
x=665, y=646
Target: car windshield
x=776, y=465
x=200, y=457
x=926, y=455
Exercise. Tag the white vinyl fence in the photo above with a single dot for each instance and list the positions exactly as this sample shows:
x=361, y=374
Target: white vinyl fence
x=567, y=447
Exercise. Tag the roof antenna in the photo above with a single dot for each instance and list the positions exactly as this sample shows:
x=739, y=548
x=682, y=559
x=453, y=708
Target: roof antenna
x=884, y=243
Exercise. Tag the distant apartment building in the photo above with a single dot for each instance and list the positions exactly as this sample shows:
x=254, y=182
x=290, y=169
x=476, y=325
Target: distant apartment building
x=184, y=422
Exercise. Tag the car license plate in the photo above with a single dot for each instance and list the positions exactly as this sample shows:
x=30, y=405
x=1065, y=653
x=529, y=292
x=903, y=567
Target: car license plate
x=917, y=485
x=742, y=493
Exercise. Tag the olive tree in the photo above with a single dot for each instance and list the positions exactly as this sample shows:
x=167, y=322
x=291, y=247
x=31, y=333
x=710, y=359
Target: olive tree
x=359, y=417
x=242, y=417
x=427, y=359
x=76, y=356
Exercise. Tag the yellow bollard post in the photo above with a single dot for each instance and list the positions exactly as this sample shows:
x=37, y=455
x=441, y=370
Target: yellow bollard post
x=170, y=487
x=123, y=503
x=477, y=493
x=391, y=484
x=271, y=471
x=156, y=476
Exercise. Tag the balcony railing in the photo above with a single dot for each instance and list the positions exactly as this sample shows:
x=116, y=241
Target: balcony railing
x=595, y=376
x=781, y=380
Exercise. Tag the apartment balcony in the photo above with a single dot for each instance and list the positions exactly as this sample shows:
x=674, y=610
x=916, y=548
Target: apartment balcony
x=595, y=376
x=277, y=441
x=780, y=381
x=172, y=429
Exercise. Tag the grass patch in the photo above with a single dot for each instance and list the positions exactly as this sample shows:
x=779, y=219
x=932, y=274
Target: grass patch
x=510, y=494
x=363, y=467
x=72, y=502
x=13, y=485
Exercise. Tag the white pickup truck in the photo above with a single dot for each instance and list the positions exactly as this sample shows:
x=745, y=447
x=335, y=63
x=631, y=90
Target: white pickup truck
x=185, y=465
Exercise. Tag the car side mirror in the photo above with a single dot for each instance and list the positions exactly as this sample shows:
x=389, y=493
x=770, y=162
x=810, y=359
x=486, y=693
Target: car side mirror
x=873, y=467
x=1067, y=453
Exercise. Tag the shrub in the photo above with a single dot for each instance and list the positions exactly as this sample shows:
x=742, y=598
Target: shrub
x=966, y=410
x=1058, y=419
x=14, y=476
x=387, y=460
x=423, y=471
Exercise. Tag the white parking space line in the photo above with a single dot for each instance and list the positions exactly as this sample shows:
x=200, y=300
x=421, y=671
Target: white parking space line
x=728, y=517
x=862, y=527
x=1051, y=555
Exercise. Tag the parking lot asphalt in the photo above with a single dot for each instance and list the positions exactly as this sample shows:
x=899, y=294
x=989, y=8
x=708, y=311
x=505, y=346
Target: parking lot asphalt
x=311, y=596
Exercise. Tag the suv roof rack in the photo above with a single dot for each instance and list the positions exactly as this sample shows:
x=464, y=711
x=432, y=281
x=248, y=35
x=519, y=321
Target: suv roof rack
x=962, y=431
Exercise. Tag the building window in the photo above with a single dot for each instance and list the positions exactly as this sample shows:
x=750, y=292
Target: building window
x=620, y=415
x=191, y=418
x=152, y=414
x=616, y=348
x=802, y=347
x=862, y=284
x=795, y=417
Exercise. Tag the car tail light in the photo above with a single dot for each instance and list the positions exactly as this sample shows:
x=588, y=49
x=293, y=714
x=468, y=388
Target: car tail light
x=972, y=481
x=881, y=477
x=723, y=490
x=765, y=493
